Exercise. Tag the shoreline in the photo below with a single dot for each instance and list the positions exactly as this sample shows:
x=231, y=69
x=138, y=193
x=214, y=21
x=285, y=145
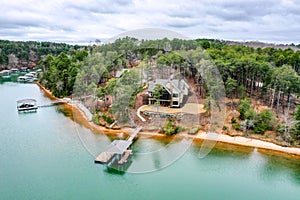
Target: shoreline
x=261, y=146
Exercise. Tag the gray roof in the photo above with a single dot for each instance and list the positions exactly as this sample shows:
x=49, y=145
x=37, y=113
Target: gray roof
x=177, y=84
x=118, y=146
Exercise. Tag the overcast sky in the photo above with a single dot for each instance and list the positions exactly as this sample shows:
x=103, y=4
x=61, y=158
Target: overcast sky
x=275, y=21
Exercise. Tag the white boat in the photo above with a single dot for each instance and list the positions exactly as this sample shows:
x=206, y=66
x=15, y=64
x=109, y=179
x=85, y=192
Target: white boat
x=5, y=73
x=15, y=70
x=31, y=75
x=25, y=79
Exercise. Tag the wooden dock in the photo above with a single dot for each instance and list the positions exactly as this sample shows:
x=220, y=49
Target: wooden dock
x=125, y=157
x=134, y=133
x=118, y=149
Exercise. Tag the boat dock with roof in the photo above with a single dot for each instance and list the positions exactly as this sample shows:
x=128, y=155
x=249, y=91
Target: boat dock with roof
x=118, y=149
x=27, y=105
x=31, y=104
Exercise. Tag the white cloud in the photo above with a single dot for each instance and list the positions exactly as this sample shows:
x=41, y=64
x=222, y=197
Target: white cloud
x=70, y=20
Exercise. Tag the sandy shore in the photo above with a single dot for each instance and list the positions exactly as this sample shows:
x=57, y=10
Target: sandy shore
x=263, y=146
x=255, y=143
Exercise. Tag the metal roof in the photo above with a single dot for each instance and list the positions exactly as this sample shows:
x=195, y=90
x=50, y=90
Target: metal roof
x=176, y=84
x=118, y=146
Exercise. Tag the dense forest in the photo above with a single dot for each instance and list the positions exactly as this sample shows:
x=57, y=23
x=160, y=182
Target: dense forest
x=27, y=54
x=266, y=76
x=59, y=72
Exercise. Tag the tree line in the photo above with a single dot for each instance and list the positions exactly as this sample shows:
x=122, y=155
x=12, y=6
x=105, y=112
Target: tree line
x=27, y=54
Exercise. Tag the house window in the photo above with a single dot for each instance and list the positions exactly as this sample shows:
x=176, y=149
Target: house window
x=175, y=103
x=175, y=94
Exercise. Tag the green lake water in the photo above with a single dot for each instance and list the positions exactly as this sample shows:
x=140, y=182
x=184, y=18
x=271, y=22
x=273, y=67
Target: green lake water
x=45, y=155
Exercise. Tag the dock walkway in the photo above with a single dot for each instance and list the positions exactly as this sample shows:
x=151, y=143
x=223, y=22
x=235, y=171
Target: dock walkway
x=134, y=133
x=53, y=103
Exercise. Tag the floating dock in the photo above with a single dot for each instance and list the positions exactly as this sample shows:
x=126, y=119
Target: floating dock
x=118, y=148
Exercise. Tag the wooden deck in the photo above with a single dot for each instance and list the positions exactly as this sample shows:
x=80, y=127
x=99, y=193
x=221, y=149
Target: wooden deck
x=134, y=133
x=125, y=157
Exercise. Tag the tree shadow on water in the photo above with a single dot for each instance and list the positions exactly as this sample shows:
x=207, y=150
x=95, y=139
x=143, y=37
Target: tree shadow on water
x=276, y=167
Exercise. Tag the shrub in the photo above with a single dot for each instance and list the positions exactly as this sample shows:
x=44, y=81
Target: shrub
x=96, y=120
x=281, y=130
x=107, y=118
x=267, y=117
x=194, y=130
x=233, y=120
x=264, y=121
x=250, y=114
x=236, y=126
x=243, y=108
x=170, y=128
x=260, y=128
x=288, y=134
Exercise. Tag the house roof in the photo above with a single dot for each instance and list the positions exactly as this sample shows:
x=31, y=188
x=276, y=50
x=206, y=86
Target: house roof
x=176, y=84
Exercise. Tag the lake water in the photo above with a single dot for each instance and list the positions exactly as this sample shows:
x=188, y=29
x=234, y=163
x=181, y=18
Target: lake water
x=45, y=155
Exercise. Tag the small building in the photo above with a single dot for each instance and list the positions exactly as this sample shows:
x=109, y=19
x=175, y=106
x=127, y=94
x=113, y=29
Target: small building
x=117, y=148
x=174, y=91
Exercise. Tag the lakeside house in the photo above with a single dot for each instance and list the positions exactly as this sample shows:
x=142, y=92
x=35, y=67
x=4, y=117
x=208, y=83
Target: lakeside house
x=173, y=94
